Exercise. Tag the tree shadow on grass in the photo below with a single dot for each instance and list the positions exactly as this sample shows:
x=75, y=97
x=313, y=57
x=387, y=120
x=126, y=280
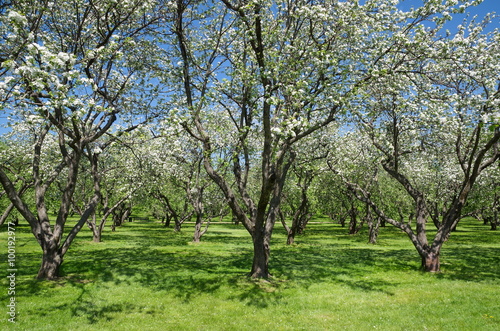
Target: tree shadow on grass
x=470, y=263
x=351, y=267
x=87, y=306
x=258, y=293
x=183, y=274
x=166, y=262
x=94, y=314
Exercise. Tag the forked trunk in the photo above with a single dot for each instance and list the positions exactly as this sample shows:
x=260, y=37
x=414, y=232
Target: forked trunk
x=97, y=237
x=198, y=233
x=96, y=233
x=100, y=228
x=177, y=226
x=167, y=221
x=51, y=262
x=290, y=231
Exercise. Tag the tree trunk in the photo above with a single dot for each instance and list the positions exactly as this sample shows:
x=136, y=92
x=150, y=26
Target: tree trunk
x=99, y=229
x=304, y=219
x=430, y=262
x=353, y=221
x=6, y=213
x=260, y=265
x=126, y=214
x=290, y=236
x=494, y=219
x=342, y=219
x=296, y=225
x=97, y=236
x=197, y=228
x=96, y=229
x=167, y=221
x=177, y=225
x=197, y=232
x=51, y=262
x=374, y=227
x=493, y=224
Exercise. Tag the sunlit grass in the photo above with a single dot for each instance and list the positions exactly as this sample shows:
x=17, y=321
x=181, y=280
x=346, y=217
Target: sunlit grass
x=146, y=277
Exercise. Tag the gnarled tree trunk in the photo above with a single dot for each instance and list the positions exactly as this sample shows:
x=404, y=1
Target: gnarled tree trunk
x=430, y=262
x=51, y=262
x=198, y=232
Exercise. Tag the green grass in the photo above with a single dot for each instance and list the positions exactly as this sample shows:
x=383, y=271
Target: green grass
x=145, y=277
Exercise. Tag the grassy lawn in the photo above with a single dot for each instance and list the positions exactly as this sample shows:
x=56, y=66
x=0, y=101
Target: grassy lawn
x=146, y=277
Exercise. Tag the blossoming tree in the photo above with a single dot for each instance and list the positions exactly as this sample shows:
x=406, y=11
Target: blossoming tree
x=75, y=70
x=280, y=70
x=447, y=104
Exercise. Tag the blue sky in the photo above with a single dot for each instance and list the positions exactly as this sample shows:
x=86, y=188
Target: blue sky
x=486, y=6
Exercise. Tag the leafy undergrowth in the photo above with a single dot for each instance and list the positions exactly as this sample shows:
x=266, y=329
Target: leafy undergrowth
x=146, y=277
